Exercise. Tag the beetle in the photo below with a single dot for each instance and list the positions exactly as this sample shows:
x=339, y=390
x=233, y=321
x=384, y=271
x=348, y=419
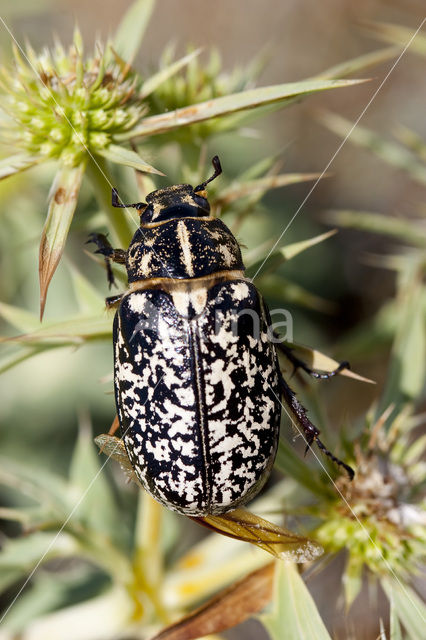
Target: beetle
x=198, y=385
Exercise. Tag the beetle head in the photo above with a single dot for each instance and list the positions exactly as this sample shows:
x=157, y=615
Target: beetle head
x=178, y=201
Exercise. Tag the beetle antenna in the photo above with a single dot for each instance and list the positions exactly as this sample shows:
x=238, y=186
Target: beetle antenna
x=328, y=453
x=115, y=202
x=217, y=171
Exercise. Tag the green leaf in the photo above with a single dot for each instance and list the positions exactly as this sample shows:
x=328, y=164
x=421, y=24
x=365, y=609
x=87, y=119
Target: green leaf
x=289, y=463
x=39, y=484
x=10, y=361
x=156, y=80
x=415, y=451
x=240, y=190
x=127, y=157
x=294, y=615
x=289, y=291
x=20, y=555
x=260, y=168
x=408, y=606
x=88, y=297
x=404, y=230
x=62, y=204
x=399, y=35
x=15, y=515
x=278, y=256
x=412, y=351
x=352, y=580
x=374, y=335
x=19, y=318
x=395, y=629
x=40, y=517
x=225, y=105
x=391, y=152
x=292, y=250
x=361, y=63
x=14, y=164
x=407, y=368
x=49, y=592
x=97, y=509
x=131, y=29
x=412, y=140
x=75, y=331
x=121, y=222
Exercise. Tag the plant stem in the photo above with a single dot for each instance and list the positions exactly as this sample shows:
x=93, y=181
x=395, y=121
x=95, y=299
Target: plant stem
x=148, y=566
x=105, y=554
x=148, y=536
x=121, y=223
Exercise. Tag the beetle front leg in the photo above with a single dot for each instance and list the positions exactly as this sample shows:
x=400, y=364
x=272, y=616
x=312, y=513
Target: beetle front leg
x=110, y=254
x=299, y=364
x=310, y=431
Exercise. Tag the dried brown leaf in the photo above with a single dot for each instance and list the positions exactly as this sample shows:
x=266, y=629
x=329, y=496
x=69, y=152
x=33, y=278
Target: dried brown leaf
x=227, y=609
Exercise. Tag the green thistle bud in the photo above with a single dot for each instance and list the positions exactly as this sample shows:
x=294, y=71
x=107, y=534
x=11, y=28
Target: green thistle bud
x=378, y=522
x=67, y=97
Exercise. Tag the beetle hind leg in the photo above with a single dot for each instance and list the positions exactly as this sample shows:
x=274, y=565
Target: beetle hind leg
x=310, y=431
x=299, y=364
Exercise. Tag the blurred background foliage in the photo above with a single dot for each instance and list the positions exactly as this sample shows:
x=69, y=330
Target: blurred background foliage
x=359, y=295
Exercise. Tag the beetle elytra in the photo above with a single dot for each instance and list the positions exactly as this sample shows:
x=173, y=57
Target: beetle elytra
x=198, y=385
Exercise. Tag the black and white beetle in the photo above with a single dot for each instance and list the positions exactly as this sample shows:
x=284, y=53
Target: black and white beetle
x=198, y=385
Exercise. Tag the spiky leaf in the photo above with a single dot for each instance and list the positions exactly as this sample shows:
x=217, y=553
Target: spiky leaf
x=62, y=204
x=226, y=105
x=294, y=615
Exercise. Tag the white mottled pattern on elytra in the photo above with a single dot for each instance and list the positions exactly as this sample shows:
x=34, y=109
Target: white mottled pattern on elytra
x=240, y=291
x=164, y=429
x=211, y=454
x=189, y=299
x=257, y=362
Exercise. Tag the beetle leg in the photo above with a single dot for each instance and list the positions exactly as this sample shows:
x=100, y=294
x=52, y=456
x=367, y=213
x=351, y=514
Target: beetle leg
x=109, y=253
x=112, y=302
x=105, y=248
x=115, y=201
x=114, y=427
x=299, y=364
x=310, y=431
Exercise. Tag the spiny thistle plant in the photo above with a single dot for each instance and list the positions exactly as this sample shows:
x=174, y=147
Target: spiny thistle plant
x=380, y=520
x=80, y=111
x=101, y=558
